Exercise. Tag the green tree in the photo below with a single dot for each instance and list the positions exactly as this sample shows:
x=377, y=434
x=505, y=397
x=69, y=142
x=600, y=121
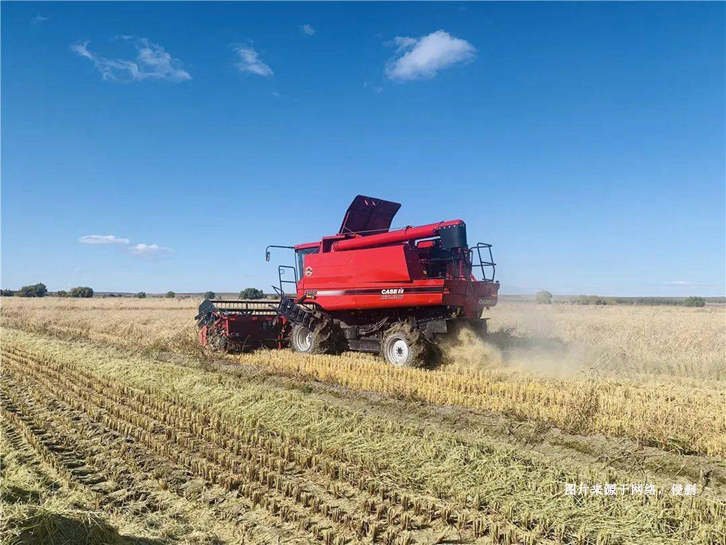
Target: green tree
x=6, y=293
x=251, y=293
x=61, y=293
x=543, y=297
x=210, y=295
x=694, y=302
x=141, y=295
x=170, y=295
x=36, y=290
x=81, y=291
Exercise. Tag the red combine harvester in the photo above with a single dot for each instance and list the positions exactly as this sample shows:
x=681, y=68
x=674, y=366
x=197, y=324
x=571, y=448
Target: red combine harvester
x=368, y=288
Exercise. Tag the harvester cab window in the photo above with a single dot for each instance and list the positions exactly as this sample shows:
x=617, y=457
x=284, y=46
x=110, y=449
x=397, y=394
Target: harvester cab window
x=300, y=255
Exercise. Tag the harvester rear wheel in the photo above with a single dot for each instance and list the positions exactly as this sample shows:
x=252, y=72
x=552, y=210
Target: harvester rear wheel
x=324, y=339
x=405, y=346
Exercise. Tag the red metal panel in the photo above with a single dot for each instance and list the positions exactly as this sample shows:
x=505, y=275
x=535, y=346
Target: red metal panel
x=383, y=271
x=335, y=280
x=385, y=264
x=329, y=270
x=325, y=278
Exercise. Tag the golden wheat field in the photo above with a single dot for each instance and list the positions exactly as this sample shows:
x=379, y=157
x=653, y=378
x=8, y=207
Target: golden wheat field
x=570, y=424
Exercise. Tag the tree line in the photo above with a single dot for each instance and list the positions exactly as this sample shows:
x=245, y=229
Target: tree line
x=40, y=290
x=247, y=293
x=544, y=297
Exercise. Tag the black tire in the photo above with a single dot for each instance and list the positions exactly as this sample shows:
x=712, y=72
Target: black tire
x=325, y=339
x=405, y=346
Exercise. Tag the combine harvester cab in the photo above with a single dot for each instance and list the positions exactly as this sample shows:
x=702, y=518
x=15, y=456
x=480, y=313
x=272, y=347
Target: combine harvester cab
x=368, y=288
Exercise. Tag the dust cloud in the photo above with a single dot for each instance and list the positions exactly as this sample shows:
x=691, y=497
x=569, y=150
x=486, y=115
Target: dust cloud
x=507, y=350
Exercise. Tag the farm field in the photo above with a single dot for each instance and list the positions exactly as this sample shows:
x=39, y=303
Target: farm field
x=118, y=428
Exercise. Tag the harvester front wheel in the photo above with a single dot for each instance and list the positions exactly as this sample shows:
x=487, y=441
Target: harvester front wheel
x=322, y=340
x=301, y=339
x=404, y=346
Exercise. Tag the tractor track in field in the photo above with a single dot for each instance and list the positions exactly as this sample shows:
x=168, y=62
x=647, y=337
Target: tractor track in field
x=666, y=463
x=26, y=421
x=246, y=476
x=319, y=510
x=307, y=490
x=110, y=456
x=120, y=475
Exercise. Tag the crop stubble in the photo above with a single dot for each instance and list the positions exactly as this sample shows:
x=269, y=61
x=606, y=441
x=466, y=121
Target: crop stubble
x=269, y=465
x=306, y=488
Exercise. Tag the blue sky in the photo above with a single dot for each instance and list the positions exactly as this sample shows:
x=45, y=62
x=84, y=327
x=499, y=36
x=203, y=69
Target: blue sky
x=585, y=141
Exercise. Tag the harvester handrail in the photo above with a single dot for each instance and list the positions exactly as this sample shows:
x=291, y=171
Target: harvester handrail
x=482, y=265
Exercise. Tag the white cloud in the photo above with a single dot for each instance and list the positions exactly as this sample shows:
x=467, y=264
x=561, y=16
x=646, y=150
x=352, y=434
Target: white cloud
x=39, y=19
x=151, y=62
x=250, y=62
x=280, y=96
x=373, y=87
x=403, y=43
x=422, y=58
x=146, y=251
x=82, y=50
x=308, y=30
x=103, y=240
x=149, y=251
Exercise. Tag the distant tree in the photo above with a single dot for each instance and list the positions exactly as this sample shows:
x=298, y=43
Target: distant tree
x=6, y=293
x=251, y=293
x=210, y=295
x=694, y=302
x=543, y=297
x=81, y=291
x=170, y=295
x=61, y=293
x=141, y=295
x=36, y=290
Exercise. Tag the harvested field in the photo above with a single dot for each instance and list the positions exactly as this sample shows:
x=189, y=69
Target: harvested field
x=114, y=420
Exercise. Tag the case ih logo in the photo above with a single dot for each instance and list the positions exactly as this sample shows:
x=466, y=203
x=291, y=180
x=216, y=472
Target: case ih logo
x=308, y=271
x=392, y=293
